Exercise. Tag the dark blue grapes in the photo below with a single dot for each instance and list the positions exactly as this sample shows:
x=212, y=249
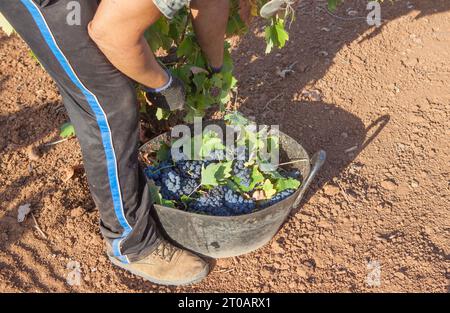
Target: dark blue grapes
x=182, y=178
x=188, y=186
x=153, y=172
x=175, y=182
x=210, y=203
x=242, y=173
x=222, y=201
x=171, y=185
x=191, y=169
x=277, y=198
x=237, y=204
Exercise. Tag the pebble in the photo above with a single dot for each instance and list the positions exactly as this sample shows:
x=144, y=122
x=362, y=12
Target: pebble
x=388, y=184
x=331, y=190
x=276, y=247
x=77, y=212
x=414, y=183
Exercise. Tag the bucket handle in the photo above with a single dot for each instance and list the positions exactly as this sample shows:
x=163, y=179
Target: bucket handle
x=317, y=160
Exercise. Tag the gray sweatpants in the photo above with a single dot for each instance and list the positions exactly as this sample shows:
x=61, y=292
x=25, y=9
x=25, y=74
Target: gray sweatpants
x=101, y=103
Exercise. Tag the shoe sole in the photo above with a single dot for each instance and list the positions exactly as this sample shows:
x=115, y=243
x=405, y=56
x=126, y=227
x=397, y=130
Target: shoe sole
x=193, y=280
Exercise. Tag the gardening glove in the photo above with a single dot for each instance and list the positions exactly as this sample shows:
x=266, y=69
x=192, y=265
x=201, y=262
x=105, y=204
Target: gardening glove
x=170, y=97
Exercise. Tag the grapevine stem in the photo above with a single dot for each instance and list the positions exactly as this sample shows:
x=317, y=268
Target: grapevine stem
x=162, y=168
x=188, y=18
x=196, y=188
x=56, y=142
x=292, y=162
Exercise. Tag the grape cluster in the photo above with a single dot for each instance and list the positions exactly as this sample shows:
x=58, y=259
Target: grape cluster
x=170, y=185
x=182, y=178
x=188, y=186
x=277, y=198
x=237, y=204
x=174, y=180
x=191, y=169
x=242, y=173
x=152, y=172
x=210, y=203
x=222, y=201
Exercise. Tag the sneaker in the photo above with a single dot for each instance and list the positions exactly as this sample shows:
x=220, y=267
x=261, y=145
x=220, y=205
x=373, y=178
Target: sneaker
x=167, y=265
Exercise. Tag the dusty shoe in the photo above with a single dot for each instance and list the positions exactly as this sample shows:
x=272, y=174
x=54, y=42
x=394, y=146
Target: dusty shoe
x=167, y=265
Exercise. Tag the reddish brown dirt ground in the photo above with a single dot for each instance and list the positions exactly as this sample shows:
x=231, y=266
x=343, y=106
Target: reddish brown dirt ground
x=382, y=93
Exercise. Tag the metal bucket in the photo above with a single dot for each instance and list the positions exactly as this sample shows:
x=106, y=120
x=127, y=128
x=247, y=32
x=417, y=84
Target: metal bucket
x=227, y=236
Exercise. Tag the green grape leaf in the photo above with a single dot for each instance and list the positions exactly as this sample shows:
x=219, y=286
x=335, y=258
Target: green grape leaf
x=236, y=119
x=157, y=198
x=287, y=183
x=281, y=34
x=268, y=189
x=67, y=130
x=209, y=175
x=199, y=81
x=232, y=185
x=210, y=143
x=332, y=4
x=162, y=114
x=275, y=175
x=270, y=38
x=163, y=153
x=186, y=47
x=257, y=176
x=215, y=173
x=186, y=199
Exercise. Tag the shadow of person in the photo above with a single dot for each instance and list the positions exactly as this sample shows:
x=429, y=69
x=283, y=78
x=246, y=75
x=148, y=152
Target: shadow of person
x=30, y=126
x=293, y=103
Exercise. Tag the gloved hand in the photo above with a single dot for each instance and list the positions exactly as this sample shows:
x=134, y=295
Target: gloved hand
x=172, y=97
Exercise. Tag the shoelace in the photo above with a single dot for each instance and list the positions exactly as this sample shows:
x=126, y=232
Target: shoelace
x=166, y=251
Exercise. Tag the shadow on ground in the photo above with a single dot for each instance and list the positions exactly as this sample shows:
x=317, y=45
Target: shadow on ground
x=315, y=124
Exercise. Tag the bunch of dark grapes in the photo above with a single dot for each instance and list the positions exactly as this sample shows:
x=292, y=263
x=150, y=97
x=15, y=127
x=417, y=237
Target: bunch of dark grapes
x=156, y=172
x=188, y=186
x=152, y=172
x=277, y=198
x=237, y=204
x=210, y=203
x=222, y=201
x=170, y=185
x=242, y=173
x=192, y=169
